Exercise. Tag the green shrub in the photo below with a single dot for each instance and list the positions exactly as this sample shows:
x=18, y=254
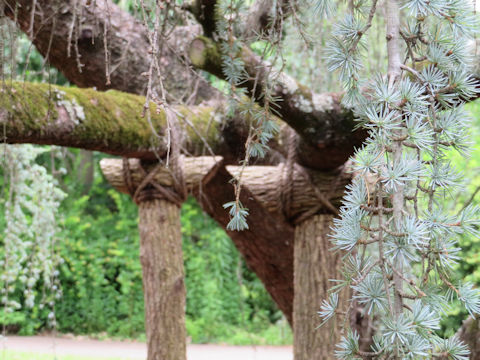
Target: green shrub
x=102, y=283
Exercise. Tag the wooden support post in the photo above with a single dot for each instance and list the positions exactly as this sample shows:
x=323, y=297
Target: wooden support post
x=314, y=266
x=161, y=250
x=314, y=263
x=163, y=279
x=469, y=333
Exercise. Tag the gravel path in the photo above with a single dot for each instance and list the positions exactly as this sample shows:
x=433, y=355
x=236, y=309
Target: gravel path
x=137, y=350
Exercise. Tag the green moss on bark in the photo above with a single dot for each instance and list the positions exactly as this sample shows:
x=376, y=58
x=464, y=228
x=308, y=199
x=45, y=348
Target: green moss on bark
x=111, y=116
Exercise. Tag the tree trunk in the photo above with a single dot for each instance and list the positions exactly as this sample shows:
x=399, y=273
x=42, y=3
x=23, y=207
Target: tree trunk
x=163, y=279
x=470, y=334
x=314, y=266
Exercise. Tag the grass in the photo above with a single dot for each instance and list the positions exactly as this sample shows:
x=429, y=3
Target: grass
x=21, y=355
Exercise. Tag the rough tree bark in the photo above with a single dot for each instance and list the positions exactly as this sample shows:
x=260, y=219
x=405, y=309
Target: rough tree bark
x=161, y=246
x=314, y=266
x=470, y=334
x=197, y=171
x=307, y=188
x=127, y=43
x=109, y=121
x=261, y=18
x=324, y=126
x=163, y=279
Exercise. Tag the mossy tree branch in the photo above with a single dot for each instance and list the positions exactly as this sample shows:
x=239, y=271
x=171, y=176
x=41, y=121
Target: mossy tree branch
x=110, y=121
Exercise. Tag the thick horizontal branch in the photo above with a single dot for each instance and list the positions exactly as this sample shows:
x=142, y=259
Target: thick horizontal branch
x=110, y=122
x=85, y=22
x=195, y=170
x=305, y=189
x=320, y=120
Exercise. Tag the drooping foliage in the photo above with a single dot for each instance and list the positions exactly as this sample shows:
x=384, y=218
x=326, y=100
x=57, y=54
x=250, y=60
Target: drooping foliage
x=399, y=239
x=28, y=255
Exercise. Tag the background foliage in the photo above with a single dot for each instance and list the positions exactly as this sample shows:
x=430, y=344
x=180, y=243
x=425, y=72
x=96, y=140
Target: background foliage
x=469, y=267
x=101, y=273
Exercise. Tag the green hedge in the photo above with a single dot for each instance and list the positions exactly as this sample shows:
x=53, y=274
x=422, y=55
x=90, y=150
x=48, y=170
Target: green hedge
x=101, y=275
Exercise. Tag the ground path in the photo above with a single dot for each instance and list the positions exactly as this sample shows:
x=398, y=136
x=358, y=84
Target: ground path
x=136, y=350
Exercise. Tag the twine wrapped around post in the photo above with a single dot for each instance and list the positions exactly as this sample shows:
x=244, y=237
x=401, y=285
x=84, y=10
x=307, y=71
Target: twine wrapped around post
x=150, y=189
x=309, y=200
x=159, y=192
x=286, y=188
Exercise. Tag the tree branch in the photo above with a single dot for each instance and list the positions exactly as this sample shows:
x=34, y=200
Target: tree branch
x=127, y=42
x=110, y=122
x=319, y=119
x=260, y=18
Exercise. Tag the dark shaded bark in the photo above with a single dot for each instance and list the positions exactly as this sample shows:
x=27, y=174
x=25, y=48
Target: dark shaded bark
x=127, y=43
x=204, y=12
x=314, y=266
x=163, y=279
x=319, y=119
x=470, y=334
x=267, y=245
x=261, y=18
